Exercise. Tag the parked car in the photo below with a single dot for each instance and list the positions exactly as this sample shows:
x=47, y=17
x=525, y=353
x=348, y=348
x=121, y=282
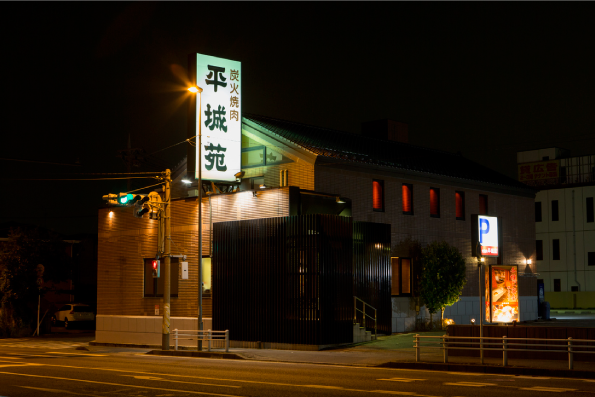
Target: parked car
x=73, y=312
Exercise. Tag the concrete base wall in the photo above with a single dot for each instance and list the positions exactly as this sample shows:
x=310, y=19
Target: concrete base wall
x=405, y=315
x=142, y=330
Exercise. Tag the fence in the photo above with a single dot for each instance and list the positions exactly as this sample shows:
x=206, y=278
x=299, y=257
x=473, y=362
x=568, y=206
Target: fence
x=572, y=346
x=207, y=335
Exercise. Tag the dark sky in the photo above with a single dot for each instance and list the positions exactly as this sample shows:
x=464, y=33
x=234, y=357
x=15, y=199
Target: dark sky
x=485, y=79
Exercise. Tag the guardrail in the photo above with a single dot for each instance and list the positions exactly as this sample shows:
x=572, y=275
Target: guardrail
x=449, y=342
x=207, y=335
x=355, y=310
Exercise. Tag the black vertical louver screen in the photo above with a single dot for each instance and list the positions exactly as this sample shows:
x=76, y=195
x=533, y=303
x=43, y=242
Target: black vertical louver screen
x=287, y=280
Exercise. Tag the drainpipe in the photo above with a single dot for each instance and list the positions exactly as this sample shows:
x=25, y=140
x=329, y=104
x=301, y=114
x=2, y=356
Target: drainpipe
x=574, y=242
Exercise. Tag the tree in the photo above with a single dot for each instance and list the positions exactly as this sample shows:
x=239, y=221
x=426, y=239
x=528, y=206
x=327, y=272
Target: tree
x=443, y=276
x=19, y=258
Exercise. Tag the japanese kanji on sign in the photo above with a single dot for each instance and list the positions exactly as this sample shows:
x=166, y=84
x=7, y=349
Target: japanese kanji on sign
x=220, y=116
x=541, y=170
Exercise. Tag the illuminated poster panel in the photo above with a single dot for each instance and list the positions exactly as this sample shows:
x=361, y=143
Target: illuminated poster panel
x=219, y=112
x=488, y=235
x=502, y=294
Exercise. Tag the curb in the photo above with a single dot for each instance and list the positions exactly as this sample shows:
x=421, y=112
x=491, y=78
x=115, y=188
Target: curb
x=492, y=369
x=188, y=353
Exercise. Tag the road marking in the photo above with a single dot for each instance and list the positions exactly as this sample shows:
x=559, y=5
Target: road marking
x=18, y=364
x=530, y=377
x=466, y=373
x=470, y=384
x=178, y=381
x=402, y=393
x=551, y=389
x=325, y=387
x=401, y=379
x=57, y=391
x=80, y=354
x=116, y=384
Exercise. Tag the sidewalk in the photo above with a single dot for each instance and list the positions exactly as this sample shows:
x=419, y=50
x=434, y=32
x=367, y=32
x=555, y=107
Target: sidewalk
x=397, y=351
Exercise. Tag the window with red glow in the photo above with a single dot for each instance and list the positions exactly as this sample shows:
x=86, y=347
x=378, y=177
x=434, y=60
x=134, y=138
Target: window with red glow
x=407, y=199
x=401, y=276
x=460, y=205
x=434, y=202
x=378, y=195
x=483, y=204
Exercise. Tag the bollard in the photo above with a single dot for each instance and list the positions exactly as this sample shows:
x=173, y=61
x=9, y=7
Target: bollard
x=209, y=340
x=570, y=354
x=417, y=348
x=444, y=342
x=226, y=341
x=176, y=339
x=504, y=351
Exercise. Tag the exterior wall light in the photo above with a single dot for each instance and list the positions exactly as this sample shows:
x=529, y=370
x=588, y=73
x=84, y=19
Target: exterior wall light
x=186, y=181
x=528, y=261
x=483, y=259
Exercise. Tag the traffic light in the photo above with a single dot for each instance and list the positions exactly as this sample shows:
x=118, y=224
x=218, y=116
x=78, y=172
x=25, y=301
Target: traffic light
x=156, y=268
x=140, y=208
x=125, y=198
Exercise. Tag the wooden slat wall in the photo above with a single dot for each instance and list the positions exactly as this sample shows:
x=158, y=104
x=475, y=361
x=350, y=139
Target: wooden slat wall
x=123, y=242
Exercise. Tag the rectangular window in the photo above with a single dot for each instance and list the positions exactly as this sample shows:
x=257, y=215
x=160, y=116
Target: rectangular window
x=556, y=249
x=401, y=276
x=555, y=215
x=483, y=204
x=378, y=195
x=460, y=205
x=590, y=258
x=539, y=250
x=538, y=211
x=557, y=285
x=434, y=202
x=154, y=286
x=407, y=199
x=590, y=209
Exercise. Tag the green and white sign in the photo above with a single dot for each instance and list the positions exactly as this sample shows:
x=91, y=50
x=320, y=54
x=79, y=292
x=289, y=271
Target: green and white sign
x=219, y=112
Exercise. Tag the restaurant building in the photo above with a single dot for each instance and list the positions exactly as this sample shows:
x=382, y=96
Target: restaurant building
x=358, y=205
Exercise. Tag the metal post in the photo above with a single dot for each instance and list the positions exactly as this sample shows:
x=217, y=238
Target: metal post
x=444, y=345
x=480, y=311
x=209, y=335
x=354, y=310
x=176, y=339
x=417, y=348
x=570, y=354
x=167, y=264
x=226, y=340
x=364, y=318
x=199, y=151
x=504, y=351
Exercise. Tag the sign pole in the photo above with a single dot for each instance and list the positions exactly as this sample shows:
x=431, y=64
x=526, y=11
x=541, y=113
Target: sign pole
x=200, y=326
x=167, y=267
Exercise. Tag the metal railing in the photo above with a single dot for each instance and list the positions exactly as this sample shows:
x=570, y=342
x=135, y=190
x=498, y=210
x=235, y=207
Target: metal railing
x=355, y=310
x=207, y=335
x=504, y=343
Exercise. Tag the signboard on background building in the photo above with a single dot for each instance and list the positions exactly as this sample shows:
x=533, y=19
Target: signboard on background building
x=540, y=172
x=219, y=113
x=502, y=294
x=488, y=235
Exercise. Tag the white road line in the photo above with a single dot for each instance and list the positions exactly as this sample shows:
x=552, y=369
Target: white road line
x=470, y=384
x=401, y=379
x=550, y=389
x=179, y=381
x=116, y=384
x=80, y=354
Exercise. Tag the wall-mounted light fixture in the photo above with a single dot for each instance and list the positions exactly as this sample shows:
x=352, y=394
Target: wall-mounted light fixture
x=111, y=214
x=186, y=181
x=528, y=261
x=483, y=259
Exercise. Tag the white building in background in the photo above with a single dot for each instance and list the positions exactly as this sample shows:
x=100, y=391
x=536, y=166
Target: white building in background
x=564, y=224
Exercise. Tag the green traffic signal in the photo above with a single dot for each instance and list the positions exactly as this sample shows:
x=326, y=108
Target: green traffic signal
x=125, y=198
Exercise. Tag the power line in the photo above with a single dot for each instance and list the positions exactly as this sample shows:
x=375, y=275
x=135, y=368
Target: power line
x=74, y=179
x=42, y=162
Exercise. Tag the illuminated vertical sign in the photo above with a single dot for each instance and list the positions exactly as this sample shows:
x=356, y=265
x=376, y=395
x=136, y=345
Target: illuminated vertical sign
x=488, y=235
x=219, y=113
x=502, y=294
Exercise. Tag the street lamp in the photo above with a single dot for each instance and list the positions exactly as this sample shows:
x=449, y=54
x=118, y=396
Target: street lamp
x=198, y=90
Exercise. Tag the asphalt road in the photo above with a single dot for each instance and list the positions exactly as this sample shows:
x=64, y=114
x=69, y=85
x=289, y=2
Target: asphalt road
x=54, y=370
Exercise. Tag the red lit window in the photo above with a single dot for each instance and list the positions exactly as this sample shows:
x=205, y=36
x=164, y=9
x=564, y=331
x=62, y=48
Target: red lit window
x=483, y=204
x=460, y=205
x=434, y=202
x=407, y=199
x=378, y=195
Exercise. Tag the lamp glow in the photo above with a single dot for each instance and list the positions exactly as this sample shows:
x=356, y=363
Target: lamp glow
x=483, y=259
x=194, y=90
x=529, y=261
x=186, y=181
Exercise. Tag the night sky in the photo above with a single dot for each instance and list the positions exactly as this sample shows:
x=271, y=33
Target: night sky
x=485, y=79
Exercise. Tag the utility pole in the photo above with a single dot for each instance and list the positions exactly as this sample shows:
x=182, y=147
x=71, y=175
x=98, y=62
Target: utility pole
x=167, y=263
x=199, y=148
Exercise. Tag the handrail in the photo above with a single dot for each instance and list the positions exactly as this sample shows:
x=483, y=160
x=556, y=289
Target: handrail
x=207, y=335
x=355, y=310
x=446, y=342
